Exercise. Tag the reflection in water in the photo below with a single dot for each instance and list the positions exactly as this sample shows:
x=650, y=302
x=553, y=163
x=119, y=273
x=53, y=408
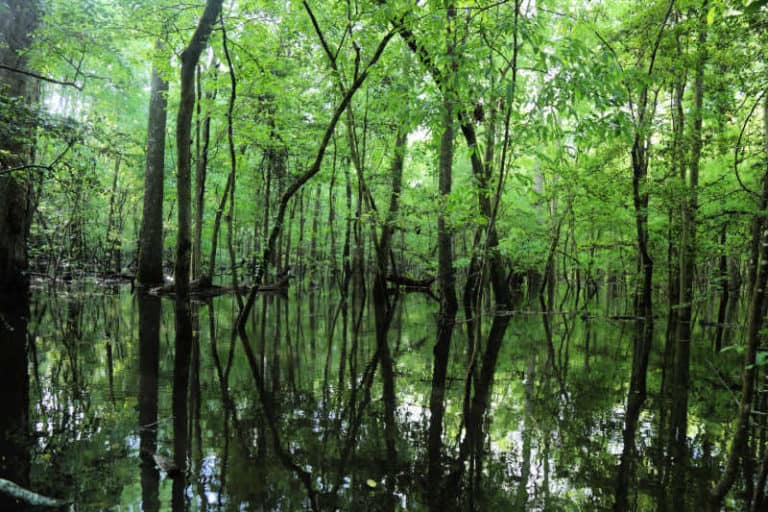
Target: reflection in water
x=635, y=400
x=471, y=446
x=257, y=423
x=15, y=442
x=521, y=500
x=181, y=360
x=149, y=366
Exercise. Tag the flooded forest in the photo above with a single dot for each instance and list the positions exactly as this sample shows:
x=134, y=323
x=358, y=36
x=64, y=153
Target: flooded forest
x=383, y=255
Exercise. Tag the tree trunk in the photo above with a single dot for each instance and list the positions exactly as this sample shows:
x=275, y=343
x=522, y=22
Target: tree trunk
x=643, y=335
x=724, y=290
x=384, y=306
x=681, y=375
x=189, y=58
x=150, y=270
x=448, y=304
x=113, y=231
x=16, y=26
x=233, y=166
x=201, y=169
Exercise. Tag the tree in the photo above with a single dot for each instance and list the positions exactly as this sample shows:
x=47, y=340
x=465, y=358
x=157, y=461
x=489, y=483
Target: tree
x=18, y=19
x=150, y=270
x=189, y=58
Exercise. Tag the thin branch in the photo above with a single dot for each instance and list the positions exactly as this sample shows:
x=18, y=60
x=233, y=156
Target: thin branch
x=41, y=77
x=320, y=36
x=659, y=36
x=48, y=167
x=475, y=11
x=738, y=148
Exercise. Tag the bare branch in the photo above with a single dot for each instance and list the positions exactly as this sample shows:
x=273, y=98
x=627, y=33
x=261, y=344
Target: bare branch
x=48, y=167
x=77, y=86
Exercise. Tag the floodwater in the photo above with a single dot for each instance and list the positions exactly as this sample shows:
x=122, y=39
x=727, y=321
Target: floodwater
x=107, y=407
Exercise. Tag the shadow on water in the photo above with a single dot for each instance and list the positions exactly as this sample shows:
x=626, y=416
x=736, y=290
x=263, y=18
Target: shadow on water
x=115, y=400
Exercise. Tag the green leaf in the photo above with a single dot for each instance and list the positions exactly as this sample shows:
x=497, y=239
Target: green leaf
x=711, y=16
x=761, y=359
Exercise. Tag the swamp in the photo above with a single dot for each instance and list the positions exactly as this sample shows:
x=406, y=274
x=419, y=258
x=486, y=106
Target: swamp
x=383, y=255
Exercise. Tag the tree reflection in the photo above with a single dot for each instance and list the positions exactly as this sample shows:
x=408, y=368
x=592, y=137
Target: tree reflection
x=149, y=366
x=181, y=361
x=15, y=456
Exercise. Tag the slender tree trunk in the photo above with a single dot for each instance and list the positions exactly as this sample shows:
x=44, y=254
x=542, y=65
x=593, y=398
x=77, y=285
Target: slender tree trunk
x=448, y=303
x=333, y=256
x=150, y=270
x=232, y=164
x=217, y=224
x=725, y=289
x=314, y=255
x=201, y=170
x=681, y=378
x=189, y=59
x=113, y=233
x=384, y=305
x=643, y=334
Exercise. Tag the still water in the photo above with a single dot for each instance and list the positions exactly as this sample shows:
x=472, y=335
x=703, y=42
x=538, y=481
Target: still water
x=108, y=409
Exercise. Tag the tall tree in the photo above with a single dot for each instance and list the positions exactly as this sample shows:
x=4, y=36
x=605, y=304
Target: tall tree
x=687, y=262
x=447, y=283
x=643, y=110
x=151, y=242
x=18, y=19
x=189, y=59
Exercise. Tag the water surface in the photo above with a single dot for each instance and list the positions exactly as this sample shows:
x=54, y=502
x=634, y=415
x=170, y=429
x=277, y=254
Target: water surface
x=99, y=389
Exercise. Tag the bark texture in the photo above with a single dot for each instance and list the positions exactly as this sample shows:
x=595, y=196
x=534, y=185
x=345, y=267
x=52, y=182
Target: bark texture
x=151, y=243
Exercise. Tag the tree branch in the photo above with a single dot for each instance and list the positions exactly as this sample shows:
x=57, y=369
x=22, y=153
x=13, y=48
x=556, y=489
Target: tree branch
x=304, y=178
x=48, y=167
x=41, y=77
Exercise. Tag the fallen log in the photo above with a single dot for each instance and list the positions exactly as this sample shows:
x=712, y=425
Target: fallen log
x=202, y=287
x=409, y=282
x=280, y=284
x=23, y=499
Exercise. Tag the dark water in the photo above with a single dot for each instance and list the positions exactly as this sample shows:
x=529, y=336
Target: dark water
x=95, y=383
